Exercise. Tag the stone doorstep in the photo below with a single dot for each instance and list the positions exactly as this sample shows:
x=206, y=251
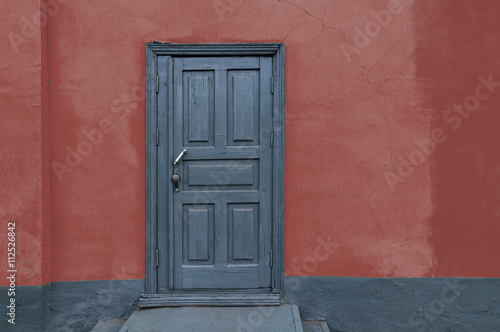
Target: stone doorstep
x=283, y=318
x=315, y=326
x=114, y=325
x=109, y=325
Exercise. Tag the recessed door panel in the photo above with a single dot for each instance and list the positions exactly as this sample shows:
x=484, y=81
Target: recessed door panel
x=198, y=108
x=243, y=230
x=234, y=174
x=198, y=234
x=243, y=107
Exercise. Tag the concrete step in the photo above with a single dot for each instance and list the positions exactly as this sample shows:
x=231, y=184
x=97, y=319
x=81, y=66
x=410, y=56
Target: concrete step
x=315, y=326
x=109, y=325
x=283, y=318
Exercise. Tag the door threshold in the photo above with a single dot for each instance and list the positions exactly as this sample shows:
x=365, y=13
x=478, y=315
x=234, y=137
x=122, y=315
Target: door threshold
x=215, y=298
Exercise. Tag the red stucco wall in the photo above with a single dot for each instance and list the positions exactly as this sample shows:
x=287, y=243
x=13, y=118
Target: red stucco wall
x=24, y=181
x=360, y=106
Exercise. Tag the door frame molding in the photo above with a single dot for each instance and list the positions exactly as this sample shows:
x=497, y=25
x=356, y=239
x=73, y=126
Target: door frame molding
x=153, y=51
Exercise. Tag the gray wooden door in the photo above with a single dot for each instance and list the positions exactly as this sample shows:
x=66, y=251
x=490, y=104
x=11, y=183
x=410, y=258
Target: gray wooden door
x=222, y=202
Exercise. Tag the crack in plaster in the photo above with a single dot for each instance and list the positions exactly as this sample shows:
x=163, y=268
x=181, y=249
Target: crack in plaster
x=325, y=26
x=388, y=124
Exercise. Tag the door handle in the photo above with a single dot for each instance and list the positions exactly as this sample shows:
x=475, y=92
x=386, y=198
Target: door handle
x=183, y=152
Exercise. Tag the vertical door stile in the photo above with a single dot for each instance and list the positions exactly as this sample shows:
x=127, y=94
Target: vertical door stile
x=177, y=208
x=266, y=169
x=163, y=184
x=169, y=147
x=220, y=143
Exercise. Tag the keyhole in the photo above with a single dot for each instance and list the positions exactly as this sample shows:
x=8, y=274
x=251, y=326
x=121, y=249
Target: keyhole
x=175, y=179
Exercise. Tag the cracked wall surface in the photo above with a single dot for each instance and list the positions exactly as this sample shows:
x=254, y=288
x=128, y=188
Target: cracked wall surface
x=367, y=85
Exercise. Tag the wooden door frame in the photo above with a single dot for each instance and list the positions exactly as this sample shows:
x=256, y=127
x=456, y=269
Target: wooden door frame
x=154, y=50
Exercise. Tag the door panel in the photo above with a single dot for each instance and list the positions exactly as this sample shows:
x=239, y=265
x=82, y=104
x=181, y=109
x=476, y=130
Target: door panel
x=199, y=112
x=222, y=110
x=243, y=107
x=199, y=226
x=243, y=230
x=235, y=174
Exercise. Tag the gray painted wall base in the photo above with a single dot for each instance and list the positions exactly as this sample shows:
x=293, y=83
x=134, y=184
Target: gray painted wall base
x=284, y=318
x=348, y=304
x=398, y=304
x=70, y=306
x=79, y=305
x=31, y=311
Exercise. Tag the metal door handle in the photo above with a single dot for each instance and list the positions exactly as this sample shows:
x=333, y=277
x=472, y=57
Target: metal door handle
x=183, y=152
